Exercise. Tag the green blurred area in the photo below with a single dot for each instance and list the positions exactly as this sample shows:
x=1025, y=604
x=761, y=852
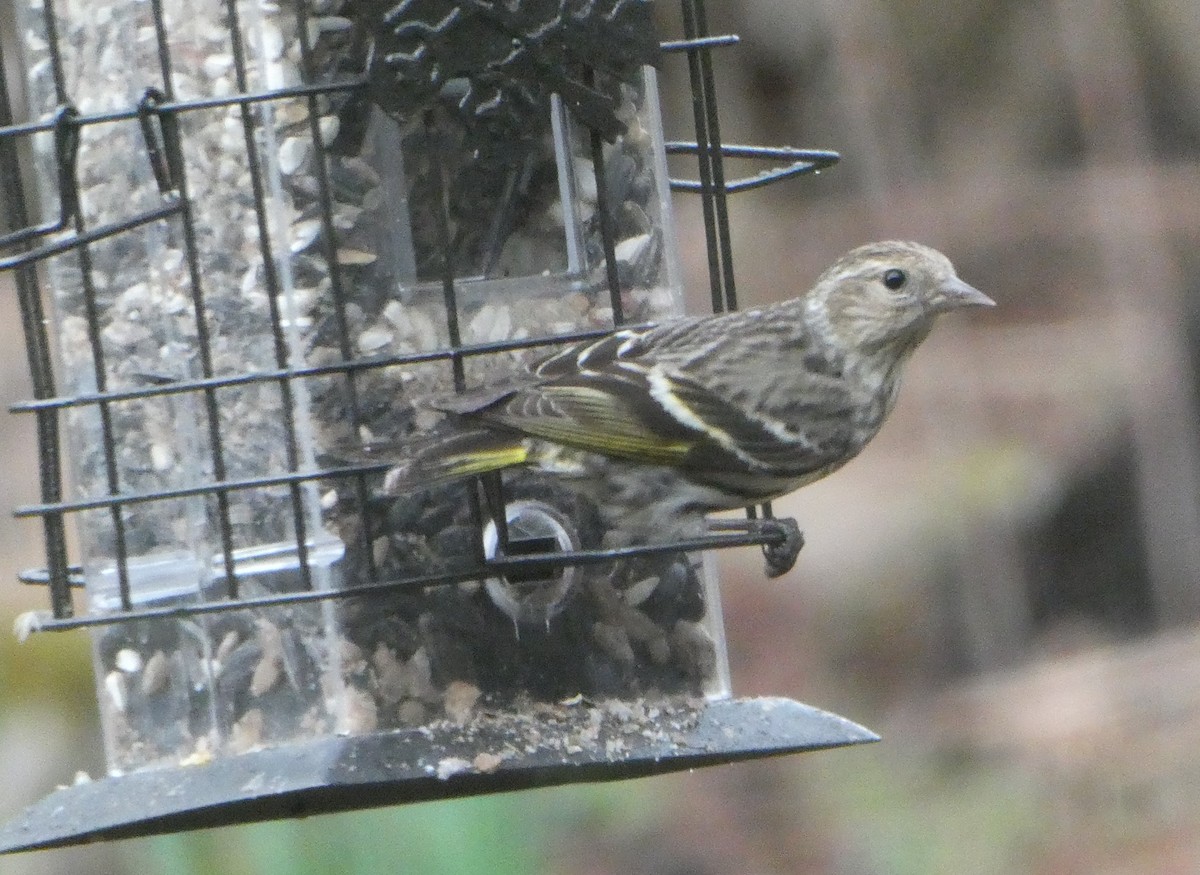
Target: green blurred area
x=502, y=835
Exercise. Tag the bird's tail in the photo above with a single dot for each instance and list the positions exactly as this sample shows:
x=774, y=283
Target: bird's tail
x=452, y=452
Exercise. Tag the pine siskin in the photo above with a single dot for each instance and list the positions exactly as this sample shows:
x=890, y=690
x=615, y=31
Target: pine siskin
x=661, y=425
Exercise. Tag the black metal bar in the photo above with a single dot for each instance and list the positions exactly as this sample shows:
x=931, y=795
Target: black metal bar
x=49, y=21
x=446, y=245
x=707, y=42
x=607, y=226
x=709, y=151
x=607, y=241
x=108, y=443
x=767, y=536
x=282, y=357
x=337, y=284
x=802, y=161
x=453, y=331
x=175, y=387
x=151, y=122
x=176, y=107
x=66, y=153
x=173, y=146
x=79, y=240
x=41, y=576
x=704, y=161
x=708, y=138
x=755, y=536
x=95, y=344
x=718, y=166
x=216, y=487
x=41, y=369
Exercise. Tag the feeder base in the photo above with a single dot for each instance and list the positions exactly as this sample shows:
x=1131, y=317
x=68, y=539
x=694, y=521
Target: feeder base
x=575, y=743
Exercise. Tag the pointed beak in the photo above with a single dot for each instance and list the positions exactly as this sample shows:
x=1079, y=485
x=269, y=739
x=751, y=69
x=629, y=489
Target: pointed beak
x=955, y=293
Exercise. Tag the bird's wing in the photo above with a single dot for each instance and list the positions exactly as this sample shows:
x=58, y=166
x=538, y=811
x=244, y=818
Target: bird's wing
x=816, y=433
x=614, y=396
x=585, y=355
x=592, y=395
x=608, y=413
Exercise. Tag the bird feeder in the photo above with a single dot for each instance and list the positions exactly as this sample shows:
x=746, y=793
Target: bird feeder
x=261, y=232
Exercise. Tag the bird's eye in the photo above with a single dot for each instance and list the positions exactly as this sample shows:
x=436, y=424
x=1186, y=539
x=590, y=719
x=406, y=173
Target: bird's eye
x=894, y=278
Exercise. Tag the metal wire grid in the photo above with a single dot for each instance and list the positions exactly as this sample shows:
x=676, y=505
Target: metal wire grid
x=157, y=113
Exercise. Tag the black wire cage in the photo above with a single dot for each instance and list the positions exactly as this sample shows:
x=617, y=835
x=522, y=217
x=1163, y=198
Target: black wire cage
x=245, y=236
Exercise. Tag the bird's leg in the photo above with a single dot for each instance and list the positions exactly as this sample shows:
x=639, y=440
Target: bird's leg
x=782, y=539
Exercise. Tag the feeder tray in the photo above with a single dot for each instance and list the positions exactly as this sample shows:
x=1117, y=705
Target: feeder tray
x=580, y=742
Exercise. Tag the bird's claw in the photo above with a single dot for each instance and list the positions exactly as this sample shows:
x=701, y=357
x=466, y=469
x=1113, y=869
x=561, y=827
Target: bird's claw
x=781, y=555
x=782, y=540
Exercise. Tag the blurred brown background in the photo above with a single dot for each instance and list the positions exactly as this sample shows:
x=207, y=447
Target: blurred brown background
x=1005, y=584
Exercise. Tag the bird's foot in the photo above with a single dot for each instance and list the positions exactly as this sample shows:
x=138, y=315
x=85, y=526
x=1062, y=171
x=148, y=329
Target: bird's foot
x=782, y=540
x=781, y=554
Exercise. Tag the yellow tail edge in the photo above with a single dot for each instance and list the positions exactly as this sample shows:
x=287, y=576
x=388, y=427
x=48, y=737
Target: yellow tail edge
x=483, y=461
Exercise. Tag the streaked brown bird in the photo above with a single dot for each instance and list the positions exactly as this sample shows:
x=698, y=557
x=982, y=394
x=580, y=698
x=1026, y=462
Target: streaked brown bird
x=661, y=425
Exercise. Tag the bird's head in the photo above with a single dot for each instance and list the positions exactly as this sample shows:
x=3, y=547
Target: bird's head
x=883, y=298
